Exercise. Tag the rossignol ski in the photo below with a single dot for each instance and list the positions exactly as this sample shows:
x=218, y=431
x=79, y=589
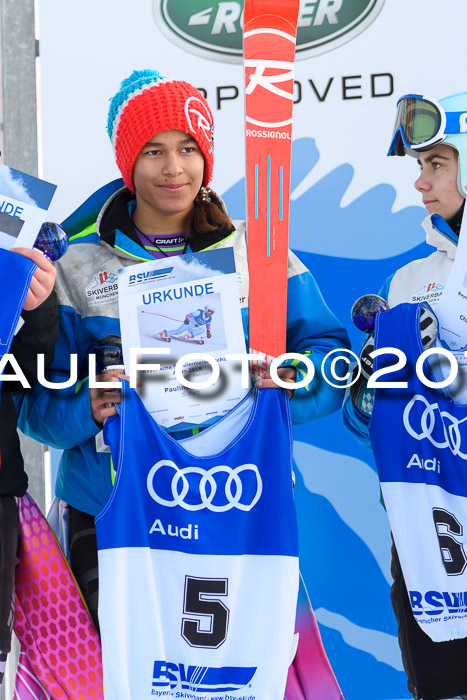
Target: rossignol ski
x=270, y=28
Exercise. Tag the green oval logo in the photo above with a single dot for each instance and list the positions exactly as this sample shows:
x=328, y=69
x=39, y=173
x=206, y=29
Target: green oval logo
x=213, y=28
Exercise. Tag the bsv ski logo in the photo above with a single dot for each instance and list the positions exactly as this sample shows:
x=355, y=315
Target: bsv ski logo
x=214, y=29
x=143, y=277
x=201, y=679
x=434, y=603
x=218, y=489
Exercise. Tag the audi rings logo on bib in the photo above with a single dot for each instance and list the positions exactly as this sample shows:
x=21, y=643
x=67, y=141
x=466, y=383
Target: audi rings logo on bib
x=424, y=420
x=218, y=489
x=269, y=82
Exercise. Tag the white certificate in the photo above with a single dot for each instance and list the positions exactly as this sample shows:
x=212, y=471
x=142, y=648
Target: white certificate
x=184, y=304
x=24, y=201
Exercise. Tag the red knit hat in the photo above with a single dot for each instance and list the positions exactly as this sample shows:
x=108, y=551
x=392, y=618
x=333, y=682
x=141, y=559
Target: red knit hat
x=146, y=104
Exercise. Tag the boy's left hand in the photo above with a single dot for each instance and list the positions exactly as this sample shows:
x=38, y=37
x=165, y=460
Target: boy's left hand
x=43, y=279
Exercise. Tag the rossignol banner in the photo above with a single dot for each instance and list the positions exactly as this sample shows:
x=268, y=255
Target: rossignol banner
x=354, y=219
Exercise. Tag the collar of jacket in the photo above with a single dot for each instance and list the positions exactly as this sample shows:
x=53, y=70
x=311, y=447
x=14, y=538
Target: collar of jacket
x=440, y=235
x=116, y=229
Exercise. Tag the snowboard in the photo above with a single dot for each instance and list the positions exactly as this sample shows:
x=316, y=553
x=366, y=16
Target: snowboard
x=270, y=28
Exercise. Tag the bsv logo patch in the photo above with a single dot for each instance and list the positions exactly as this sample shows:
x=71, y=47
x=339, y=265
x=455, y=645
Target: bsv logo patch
x=201, y=679
x=434, y=603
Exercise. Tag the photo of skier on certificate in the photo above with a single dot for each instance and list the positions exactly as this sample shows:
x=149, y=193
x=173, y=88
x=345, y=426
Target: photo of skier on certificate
x=196, y=326
x=198, y=322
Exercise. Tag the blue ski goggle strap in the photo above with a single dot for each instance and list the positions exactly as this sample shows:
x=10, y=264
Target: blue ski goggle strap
x=421, y=123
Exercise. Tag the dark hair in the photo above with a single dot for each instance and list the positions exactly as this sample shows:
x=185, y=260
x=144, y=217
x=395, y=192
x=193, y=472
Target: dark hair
x=209, y=216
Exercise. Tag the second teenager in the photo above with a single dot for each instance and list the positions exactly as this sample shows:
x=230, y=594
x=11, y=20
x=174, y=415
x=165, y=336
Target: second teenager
x=434, y=134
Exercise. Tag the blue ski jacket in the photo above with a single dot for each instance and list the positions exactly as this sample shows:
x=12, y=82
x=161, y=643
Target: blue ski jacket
x=102, y=241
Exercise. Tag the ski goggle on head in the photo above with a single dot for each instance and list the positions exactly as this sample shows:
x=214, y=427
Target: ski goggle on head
x=421, y=123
